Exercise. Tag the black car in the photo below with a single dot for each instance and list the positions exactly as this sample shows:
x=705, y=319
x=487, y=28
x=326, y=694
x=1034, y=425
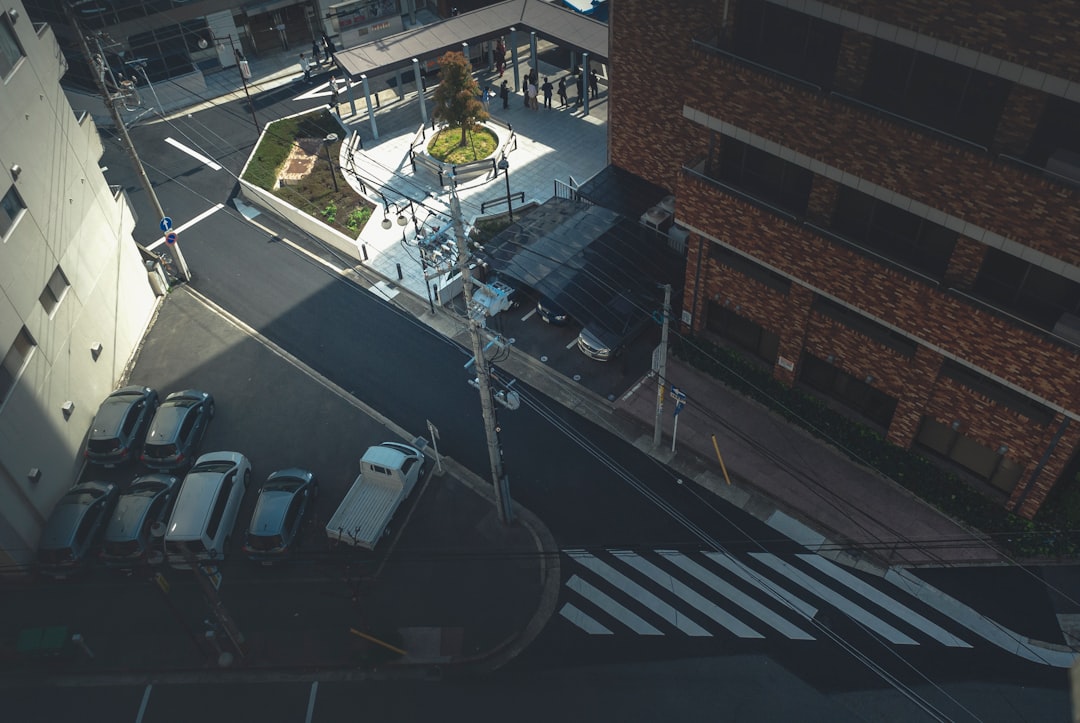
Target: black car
x=551, y=312
x=120, y=425
x=74, y=526
x=279, y=514
x=147, y=501
x=177, y=430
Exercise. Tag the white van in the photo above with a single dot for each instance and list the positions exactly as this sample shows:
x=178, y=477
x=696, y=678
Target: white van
x=205, y=513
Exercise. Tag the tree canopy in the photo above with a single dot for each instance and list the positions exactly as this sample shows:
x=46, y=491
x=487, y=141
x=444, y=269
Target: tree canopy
x=457, y=97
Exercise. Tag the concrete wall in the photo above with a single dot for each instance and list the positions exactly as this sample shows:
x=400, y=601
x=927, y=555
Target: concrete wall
x=668, y=98
x=75, y=221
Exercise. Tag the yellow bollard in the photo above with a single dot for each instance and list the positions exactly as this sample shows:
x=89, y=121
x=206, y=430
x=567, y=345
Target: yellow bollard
x=722, y=467
x=388, y=646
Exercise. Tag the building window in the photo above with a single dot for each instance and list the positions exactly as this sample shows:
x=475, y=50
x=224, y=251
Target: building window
x=1028, y=291
x=11, y=207
x=865, y=326
x=855, y=394
x=54, y=291
x=998, y=393
x=763, y=175
x=789, y=41
x=896, y=234
x=987, y=464
x=14, y=362
x=10, y=50
x=752, y=337
x=1056, y=135
x=749, y=269
x=947, y=96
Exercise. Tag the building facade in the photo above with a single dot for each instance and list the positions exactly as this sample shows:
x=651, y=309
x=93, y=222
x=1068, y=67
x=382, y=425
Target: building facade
x=883, y=206
x=74, y=294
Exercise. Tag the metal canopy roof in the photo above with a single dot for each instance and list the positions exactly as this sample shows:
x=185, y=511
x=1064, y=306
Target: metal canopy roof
x=551, y=22
x=583, y=258
x=622, y=191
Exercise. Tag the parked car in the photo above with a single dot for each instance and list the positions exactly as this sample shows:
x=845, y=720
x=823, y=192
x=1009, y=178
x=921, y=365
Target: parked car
x=119, y=426
x=74, y=526
x=621, y=320
x=551, y=313
x=146, y=502
x=177, y=430
x=203, y=518
x=279, y=514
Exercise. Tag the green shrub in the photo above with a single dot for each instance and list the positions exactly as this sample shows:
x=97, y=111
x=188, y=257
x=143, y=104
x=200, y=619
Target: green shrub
x=330, y=212
x=277, y=141
x=357, y=219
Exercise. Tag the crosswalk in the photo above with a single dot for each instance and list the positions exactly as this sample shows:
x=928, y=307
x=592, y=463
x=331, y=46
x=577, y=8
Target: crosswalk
x=751, y=597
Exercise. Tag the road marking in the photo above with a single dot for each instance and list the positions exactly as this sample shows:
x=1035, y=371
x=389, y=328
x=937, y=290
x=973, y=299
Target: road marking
x=311, y=701
x=208, y=212
x=604, y=602
x=771, y=589
x=145, y=702
x=691, y=596
x=193, y=153
x=529, y=315
x=874, y=595
x=737, y=596
x=643, y=596
x=319, y=91
x=582, y=620
x=571, y=344
x=835, y=599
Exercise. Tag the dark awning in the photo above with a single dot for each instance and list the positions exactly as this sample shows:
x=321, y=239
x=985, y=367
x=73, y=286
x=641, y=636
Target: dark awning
x=584, y=258
x=561, y=25
x=622, y=192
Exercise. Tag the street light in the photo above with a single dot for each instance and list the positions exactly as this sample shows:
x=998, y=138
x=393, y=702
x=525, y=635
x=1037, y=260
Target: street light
x=331, y=138
x=245, y=73
x=505, y=166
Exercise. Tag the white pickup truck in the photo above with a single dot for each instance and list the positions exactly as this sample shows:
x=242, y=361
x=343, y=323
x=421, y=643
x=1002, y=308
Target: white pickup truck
x=388, y=473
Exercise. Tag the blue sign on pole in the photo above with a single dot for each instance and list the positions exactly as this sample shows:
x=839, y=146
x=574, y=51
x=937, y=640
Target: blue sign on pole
x=170, y=238
x=166, y=224
x=680, y=399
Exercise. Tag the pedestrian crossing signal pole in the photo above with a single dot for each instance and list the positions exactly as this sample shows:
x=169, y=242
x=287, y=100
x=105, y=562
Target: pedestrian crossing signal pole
x=661, y=370
x=483, y=372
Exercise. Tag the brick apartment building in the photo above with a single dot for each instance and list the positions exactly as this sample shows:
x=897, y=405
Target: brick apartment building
x=882, y=200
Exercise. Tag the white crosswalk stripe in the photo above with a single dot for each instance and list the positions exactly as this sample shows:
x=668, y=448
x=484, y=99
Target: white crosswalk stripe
x=769, y=587
x=737, y=596
x=640, y=594
x=685, y=592
x=612, y=608
x=835, y=599
x=583, y=621
x=873, y=594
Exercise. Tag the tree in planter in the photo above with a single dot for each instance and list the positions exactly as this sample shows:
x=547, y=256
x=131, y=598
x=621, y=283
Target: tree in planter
x=456, y=96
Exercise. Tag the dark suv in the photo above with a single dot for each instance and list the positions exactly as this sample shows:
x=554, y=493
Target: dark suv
x=119, y=425
x=177, y=429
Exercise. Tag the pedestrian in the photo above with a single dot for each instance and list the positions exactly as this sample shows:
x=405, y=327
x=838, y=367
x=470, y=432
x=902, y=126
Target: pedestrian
x=306, y=67
x=486, y=96
x=546, y=87
x=562, y=92
x=525, y=91
x=333, y=94
x=580, y=89
x=328, y=47
x=532, y=96
x=594, y=84
x=315, y=51
x=500, y=57
x=504, y=93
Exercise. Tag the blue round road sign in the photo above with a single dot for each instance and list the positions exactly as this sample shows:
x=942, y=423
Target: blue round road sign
x=165, y=224
x=170, y=238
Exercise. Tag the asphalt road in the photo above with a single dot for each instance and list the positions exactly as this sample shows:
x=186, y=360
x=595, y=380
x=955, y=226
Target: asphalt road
x=594, y=495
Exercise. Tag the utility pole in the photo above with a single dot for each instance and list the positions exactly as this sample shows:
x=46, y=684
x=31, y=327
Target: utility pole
x=98, y=65
x=483, y=373
x=661, y=371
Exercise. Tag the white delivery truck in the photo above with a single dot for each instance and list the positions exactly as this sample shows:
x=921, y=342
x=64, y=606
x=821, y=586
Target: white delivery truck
x=388, y=473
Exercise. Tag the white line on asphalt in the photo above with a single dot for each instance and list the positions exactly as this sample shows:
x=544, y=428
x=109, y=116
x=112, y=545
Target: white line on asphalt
x=771, y=589
x=529, y=315
x=643, y=596
x=193, y=153
x=571, y=344
x=874, y=595
x=691, y=596
x=603, y=601
x=835, y=599
x=582, y=620
x=737, y=596
x=145, y=702
x=212, y=210
x=311, y=701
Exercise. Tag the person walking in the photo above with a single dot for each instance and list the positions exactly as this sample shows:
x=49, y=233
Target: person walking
x=328, y=47
x=504, y=93
x=594, y=84
x=315, y=51
x=334, y=94
x=562, y=92
x=580, y=89
x=532, y=96
x=547, y=88
x=306, y=67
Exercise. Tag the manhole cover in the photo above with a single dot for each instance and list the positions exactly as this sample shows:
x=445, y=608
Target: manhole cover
x=544, y=358
x=577, y=377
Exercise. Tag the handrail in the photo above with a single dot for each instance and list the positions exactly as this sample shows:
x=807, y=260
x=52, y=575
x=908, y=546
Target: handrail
x=1067, y=180
x=519, y=196
x=883, y=260
x=754, y=200
x=909, y=121
x=758, y=66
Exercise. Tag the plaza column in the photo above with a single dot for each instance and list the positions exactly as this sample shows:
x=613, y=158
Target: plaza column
x=585, y=82
x=420, y=90
x=533, y=60
x=514, y=60
x=348, y=90
x=370, y=109
x=400, y=87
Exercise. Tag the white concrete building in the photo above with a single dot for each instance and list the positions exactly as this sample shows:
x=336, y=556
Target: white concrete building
x=74, y=295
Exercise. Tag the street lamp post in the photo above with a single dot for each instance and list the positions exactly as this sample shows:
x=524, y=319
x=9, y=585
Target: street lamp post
x=505, y=166
x=331, y=138
x=245, y=73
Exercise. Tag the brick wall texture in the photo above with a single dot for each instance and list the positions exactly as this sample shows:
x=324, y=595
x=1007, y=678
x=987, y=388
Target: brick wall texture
x=657, y=74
